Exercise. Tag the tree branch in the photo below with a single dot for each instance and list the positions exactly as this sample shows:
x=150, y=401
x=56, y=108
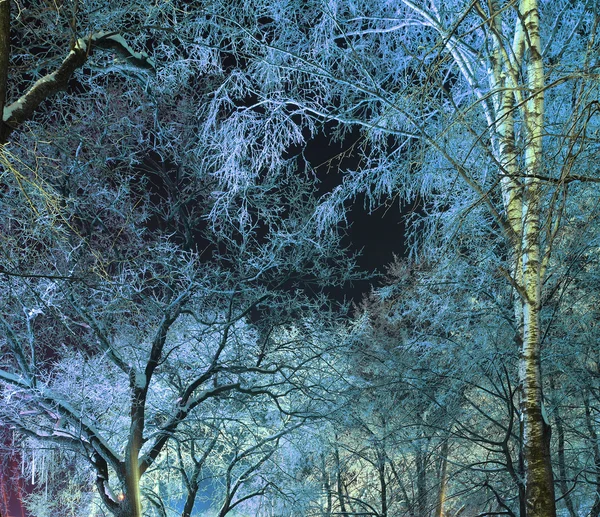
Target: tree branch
x=23, y=109
x=4, y=55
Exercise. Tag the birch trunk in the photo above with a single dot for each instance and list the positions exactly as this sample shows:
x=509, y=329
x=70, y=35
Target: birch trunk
x=539, y=482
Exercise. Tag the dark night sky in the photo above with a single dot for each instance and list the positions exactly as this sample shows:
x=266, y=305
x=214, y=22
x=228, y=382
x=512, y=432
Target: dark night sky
x=378, y=235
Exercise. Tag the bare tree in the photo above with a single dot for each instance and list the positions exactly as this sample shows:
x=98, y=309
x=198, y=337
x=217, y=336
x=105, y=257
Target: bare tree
x=485, y=110
x=114, y=335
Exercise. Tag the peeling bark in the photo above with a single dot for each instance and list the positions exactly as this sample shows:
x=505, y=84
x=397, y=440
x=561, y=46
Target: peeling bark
x=539, y=481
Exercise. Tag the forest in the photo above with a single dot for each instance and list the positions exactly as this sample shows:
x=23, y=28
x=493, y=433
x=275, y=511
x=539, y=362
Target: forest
x=299, y=258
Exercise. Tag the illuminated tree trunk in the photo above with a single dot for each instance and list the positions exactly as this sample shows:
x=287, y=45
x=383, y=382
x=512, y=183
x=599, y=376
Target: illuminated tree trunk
x=131, y=505
x=340, y=482
x=4, y=53
x=521, y=193
x=439, y=511
x=539, y=482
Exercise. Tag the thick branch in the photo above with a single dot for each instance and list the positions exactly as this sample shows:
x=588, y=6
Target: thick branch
x=46, y=397
x=23, y=109
x=177, y=418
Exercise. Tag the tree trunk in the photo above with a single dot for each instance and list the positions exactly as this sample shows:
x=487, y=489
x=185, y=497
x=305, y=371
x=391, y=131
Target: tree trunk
x=522, y=502
x=326, y=488
x=439, y=511
x=190, y=500
x=340, y=485
x=421, y=484
x=539, y=481
x=131, y=506
x=562, y=467
x=595, y=510
x=133, y=502
x=382, y=485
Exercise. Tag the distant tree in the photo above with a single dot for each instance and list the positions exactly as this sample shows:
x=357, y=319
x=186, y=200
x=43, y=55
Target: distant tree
x=244, y=477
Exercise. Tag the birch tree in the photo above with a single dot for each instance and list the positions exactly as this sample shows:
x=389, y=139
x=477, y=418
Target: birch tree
x=485, y=110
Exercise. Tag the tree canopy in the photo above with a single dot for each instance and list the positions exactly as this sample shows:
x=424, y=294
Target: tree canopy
x=171, y=242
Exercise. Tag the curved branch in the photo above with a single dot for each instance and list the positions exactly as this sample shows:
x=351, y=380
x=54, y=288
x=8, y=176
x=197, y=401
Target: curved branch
x=22, y=110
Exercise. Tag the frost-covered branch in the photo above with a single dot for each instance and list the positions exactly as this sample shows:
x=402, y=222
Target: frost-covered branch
x=17, y=112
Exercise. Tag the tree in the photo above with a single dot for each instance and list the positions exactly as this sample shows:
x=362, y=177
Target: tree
x=134, y=272
x=463, y=104
x=166, y=183
x=114, y=334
